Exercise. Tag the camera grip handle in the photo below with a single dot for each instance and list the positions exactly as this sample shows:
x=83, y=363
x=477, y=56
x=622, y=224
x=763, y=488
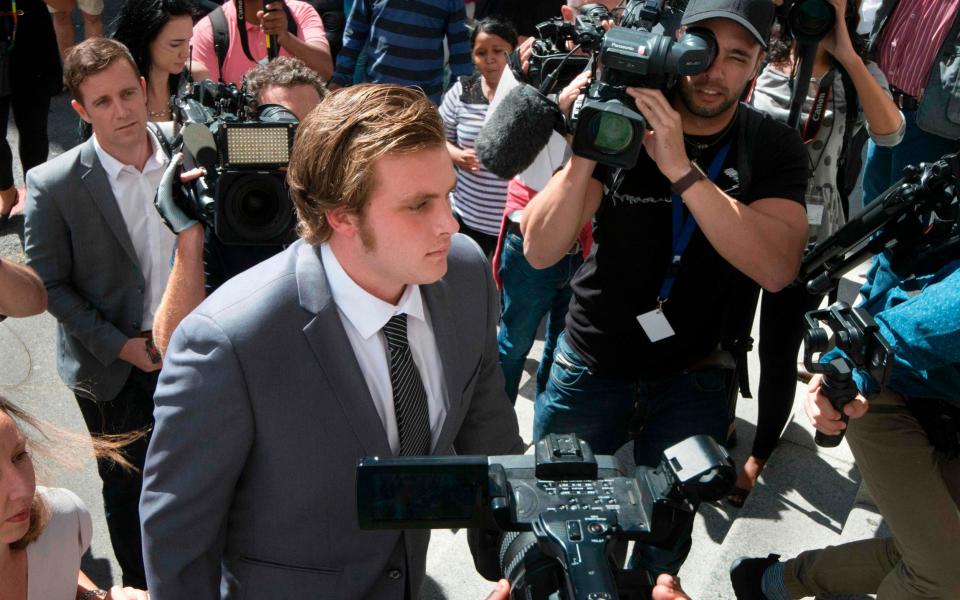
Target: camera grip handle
x=839, y=390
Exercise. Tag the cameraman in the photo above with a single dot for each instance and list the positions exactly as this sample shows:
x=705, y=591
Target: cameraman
x=640, y=353
x=906, y=445
x=202, y=262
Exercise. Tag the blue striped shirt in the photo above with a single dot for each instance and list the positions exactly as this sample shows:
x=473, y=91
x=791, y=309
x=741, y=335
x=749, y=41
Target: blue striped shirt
x=480, y=195
x=405, y=43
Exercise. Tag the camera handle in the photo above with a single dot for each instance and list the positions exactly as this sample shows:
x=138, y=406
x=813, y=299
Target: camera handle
x=579, y=540
x=858, y=336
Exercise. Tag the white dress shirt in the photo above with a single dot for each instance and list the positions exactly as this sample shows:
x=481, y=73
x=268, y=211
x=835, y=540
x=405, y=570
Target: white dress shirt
x=152, y=240
x=363, y=316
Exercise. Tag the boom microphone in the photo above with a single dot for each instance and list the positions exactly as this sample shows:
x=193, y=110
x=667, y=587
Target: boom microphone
x=517, y=131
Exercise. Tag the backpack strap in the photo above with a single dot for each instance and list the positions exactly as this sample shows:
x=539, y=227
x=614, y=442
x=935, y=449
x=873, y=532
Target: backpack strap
x=849, y=162
x=164, y=133
x=221, y=38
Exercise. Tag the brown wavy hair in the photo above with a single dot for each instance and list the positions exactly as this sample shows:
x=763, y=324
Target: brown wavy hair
x=337, y=144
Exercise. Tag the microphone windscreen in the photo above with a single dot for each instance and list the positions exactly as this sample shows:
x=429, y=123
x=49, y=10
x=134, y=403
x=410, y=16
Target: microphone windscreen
x=517, y=131
x=199, y=142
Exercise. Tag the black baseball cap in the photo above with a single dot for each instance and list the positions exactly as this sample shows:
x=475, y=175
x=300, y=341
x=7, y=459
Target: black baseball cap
x=755, y=16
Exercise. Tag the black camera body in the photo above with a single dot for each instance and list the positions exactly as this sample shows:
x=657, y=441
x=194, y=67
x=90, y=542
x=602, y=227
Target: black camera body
x=243, y=196
x=807, y=21
x=547, y=521
x=552, y=65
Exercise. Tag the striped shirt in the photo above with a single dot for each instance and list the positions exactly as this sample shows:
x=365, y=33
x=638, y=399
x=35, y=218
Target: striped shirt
x=405, y=43
x=910, y=40
x=480, y=195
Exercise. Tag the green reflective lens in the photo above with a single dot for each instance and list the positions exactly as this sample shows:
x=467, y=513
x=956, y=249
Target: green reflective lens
x=612, y=133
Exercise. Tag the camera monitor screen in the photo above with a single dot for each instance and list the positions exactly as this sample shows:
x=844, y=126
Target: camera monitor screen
x=431, y=492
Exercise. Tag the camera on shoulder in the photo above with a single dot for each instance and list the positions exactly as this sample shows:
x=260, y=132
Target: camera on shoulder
x=244, y=150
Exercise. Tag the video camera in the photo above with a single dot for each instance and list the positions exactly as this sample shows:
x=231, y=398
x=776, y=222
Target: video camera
x=605, y=123
x=244, y=150
x=807, y=21
x=547, y=520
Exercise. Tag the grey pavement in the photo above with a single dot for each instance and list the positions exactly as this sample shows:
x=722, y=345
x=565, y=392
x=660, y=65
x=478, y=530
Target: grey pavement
x=807, y=497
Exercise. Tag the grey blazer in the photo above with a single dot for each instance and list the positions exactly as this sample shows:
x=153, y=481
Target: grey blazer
x=76, y=240
x=261, y=414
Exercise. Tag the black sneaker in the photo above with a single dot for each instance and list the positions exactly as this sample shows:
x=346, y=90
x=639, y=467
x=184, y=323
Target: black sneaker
x=746, y=575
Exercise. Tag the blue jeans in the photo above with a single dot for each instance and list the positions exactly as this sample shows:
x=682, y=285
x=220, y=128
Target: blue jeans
x=528, y=294
x=884, y=166
x=661, y=412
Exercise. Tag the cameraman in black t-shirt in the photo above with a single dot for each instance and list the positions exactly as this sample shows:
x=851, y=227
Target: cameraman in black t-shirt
x=640, y=354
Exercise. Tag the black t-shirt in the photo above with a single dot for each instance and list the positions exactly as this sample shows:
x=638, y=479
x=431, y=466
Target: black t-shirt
x=633, y=242
x=524, y=14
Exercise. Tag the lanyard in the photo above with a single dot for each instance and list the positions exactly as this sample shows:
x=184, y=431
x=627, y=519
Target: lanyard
x=683, y=228
x=819, y=107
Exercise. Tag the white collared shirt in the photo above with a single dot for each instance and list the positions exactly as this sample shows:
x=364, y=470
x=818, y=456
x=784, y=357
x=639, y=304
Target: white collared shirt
x=363, y=316
x=152, y=240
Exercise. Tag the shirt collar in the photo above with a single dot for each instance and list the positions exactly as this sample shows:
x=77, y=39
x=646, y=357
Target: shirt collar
x=113, y=166
x=364, y=310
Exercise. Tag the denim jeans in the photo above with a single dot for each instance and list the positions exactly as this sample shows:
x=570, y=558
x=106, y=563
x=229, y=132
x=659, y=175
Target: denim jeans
x=659, y=412
x=528, y=294
x=884, y=166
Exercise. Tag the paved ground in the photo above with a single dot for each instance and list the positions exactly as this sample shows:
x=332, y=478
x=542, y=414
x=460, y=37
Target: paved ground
x=805, y=499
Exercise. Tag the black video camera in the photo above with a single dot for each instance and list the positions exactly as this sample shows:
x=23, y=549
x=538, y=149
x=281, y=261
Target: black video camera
x=606, y=125
x=555, y=514
x=243, y=196
x=807, y=21
x=552, y=64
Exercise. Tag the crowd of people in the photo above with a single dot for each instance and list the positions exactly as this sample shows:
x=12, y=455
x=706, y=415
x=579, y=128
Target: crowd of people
x=229, y=390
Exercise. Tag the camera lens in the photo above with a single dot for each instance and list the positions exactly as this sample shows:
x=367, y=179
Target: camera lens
x=256, y=208
x=611, y=133
x=811, y=20
x=532, y=574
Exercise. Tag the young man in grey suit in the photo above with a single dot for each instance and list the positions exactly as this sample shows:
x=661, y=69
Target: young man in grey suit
x=103, y=253
x=373, y=335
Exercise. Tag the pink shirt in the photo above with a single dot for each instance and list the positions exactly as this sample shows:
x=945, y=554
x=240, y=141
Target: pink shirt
x=309, y=29
x=910, y=40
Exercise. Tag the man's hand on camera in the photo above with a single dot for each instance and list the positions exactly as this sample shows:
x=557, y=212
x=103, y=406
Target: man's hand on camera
x=466, y=159
x=273, y=21
x=823, y=416
x=665, y=143
x=169, y=196
x=525, y=51
x=501, y=592
x=572, y=91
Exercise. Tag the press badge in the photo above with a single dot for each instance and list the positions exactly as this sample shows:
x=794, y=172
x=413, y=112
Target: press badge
x=814, y=214
x=655, y=325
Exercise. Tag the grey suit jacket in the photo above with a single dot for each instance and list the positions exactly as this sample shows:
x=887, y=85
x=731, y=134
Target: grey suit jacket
x=261, y=414
x=76, y=240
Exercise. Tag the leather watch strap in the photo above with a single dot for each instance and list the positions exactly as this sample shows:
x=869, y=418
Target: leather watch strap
x=692, y=176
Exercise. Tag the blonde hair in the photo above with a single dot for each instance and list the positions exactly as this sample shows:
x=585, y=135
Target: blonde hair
x=337, y=144
x=65, y=448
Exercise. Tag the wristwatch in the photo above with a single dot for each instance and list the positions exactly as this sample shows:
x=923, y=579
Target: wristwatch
x=91, y=594
x=692, y=176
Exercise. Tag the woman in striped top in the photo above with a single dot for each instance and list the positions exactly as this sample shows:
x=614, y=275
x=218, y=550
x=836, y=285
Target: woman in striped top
x=480, y=195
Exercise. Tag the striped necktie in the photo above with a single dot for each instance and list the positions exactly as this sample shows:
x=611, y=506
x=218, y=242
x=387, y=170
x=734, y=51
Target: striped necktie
x=409, y=396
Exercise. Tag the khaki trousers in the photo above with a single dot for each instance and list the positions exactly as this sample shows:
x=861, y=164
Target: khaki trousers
x=917, y=493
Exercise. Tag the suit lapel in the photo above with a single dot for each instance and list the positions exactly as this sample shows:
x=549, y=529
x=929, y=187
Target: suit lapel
x=333, y=352
x=445, y=332
x=97, y=184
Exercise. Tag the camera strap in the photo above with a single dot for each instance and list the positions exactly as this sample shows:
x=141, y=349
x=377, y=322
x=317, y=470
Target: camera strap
x=683, y=228
x=819, y=107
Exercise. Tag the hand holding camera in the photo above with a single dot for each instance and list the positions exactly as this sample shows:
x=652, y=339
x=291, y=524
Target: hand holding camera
x=170, y=196
x=664, y=140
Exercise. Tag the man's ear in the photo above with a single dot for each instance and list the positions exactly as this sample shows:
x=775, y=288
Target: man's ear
x=143, y=86
x=343, y=221
x=78, y=108
x=761, y=59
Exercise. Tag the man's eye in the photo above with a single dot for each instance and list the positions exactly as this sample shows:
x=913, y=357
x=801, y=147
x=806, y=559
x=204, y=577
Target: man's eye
x=21, y=456
x=418, y=206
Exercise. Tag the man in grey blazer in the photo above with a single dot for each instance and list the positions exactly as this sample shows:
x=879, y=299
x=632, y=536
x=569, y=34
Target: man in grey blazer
x=373, y=335
x=103, y=253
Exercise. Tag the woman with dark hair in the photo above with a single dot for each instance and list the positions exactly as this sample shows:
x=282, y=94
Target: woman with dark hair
x=44, y=531
x=158, y=33
x=480, y=195
x=855, y=95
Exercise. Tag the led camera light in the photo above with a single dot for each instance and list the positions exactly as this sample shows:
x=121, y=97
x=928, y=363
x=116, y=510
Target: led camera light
x=258, y=145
